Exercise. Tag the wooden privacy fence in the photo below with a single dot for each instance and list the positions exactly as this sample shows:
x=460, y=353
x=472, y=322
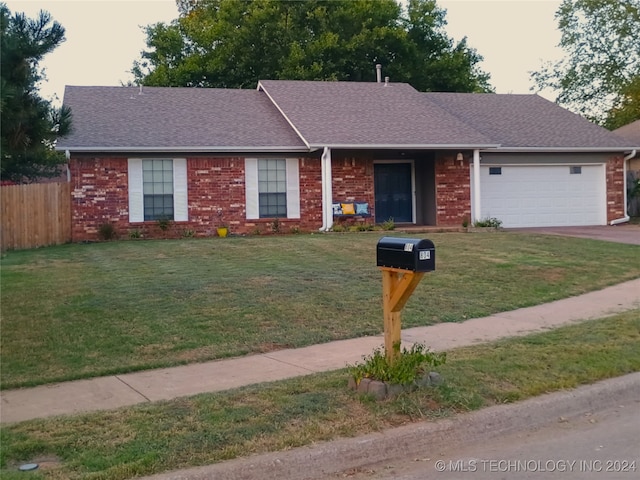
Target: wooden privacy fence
x=35, y=215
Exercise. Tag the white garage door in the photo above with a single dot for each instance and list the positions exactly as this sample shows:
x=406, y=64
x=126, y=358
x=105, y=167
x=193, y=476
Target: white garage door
x=544, y=196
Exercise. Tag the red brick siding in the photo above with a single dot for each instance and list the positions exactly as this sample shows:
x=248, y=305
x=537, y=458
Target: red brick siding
x=615, y=188
x=100, y=195
x=453, y=190
x=352, y=181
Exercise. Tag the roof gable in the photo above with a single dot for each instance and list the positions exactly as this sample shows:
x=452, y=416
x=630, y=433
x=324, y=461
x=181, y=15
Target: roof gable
x=368, y=115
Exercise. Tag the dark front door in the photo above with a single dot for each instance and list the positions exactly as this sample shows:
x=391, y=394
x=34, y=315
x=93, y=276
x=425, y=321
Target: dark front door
x=392, y=184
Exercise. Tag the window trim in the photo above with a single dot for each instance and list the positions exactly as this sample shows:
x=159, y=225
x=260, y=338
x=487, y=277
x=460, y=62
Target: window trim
x=136, y=194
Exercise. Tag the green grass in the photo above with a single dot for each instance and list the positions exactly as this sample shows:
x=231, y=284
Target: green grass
x=209, y=428
x=78, y=311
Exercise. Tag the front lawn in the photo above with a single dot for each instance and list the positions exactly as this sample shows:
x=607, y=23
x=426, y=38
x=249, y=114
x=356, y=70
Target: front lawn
x=78, y=311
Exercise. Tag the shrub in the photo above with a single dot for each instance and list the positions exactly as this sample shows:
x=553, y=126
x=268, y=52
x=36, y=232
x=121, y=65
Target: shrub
x=388, y=225
x=164, y=223
x=107, y=231
x=365, y=227
x=410, y=365
x=135, y=233
x=488, y=222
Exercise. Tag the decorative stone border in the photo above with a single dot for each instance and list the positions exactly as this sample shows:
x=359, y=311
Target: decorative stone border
x=383, y=390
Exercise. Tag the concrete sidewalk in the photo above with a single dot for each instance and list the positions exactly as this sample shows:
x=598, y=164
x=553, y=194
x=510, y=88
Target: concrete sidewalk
x=115, y=391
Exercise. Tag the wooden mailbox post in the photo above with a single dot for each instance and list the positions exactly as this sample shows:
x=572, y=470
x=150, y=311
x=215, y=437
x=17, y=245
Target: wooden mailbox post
x=403, y=262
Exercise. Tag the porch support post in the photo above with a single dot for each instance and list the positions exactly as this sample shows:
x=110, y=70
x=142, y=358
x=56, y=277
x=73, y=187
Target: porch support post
x=476, y=213
x=327, y=190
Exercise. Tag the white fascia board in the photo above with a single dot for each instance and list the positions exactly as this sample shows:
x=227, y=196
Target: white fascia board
x=560, y=149
x=172, y=149
x=401, y=146
x=260, y=87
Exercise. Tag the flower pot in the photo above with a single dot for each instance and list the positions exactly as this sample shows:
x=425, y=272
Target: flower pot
x=222, y=231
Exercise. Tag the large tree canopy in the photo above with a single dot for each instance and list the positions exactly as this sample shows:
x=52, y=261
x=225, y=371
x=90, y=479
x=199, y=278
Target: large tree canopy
x=235, y=43
x=30, y=124
x=600, y=74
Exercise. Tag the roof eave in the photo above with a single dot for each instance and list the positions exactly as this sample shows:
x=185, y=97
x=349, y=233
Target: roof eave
x=403, y=146
x=561, y=149
x=188, y=149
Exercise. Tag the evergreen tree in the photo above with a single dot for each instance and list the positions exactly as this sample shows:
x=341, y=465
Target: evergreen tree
x=30, y=124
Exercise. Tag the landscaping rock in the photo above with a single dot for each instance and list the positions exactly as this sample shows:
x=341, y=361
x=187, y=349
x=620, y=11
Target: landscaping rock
x=435, y=379
x=394, y=389
x=351, y=384
x=378, y=389
x=363, y=386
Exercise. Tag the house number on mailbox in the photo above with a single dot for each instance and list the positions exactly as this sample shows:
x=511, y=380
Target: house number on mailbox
x=425, y=255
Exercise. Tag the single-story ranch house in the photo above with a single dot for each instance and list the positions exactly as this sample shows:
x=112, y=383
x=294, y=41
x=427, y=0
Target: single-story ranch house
x=313, y=153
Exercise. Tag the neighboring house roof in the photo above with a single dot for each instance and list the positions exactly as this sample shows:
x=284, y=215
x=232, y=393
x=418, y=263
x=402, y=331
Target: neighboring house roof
x=527, y=122
x=630, y=132
x=177, y=119
x=368, y=115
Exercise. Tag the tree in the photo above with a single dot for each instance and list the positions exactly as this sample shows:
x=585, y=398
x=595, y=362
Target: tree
x=30, y=125
x=602, y=63
x=626, y=108
x=235, y=43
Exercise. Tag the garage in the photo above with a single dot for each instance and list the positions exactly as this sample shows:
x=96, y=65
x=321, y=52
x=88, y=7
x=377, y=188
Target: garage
x=543, y=195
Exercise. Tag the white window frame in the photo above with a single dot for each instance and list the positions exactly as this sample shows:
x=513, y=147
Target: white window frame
x=180, y=191
x=252, y=197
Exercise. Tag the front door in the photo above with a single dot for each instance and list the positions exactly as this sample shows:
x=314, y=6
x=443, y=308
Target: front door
x=393, y=193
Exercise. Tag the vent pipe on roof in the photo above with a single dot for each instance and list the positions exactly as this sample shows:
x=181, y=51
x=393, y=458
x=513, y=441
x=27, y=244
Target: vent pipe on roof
x=379, y=73
x=386, y=81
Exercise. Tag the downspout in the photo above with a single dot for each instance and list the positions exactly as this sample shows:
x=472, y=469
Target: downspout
x=67, y=155
x=327, y=190
x=624, y=189
x=476, y=187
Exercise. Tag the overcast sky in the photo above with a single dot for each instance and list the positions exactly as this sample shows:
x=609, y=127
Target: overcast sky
x=104, y=37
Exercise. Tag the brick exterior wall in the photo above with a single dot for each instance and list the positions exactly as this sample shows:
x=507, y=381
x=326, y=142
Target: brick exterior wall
x=352, y=181
x=616, y=190
x=100, y=195
x=453, y=190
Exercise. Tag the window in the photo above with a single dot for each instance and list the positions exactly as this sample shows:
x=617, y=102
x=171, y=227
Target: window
x=157, y=187
x=272, y=187
x=575, y=170
x=495, y=170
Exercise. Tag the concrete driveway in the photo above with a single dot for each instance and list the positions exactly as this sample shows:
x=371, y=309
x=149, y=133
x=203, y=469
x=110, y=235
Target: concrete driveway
x=625, y=233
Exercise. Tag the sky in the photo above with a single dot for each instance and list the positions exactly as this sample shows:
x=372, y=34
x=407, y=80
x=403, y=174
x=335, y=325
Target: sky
x=104, y=37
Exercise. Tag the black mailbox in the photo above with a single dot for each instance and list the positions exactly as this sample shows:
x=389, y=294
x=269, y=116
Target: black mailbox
x=407, y=254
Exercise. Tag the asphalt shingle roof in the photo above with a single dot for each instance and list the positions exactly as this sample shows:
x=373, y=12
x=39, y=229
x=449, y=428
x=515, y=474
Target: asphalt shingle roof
x=368, y=114
x=630, y=132
x=526, y=121
x=174, y=118
x=281, y=113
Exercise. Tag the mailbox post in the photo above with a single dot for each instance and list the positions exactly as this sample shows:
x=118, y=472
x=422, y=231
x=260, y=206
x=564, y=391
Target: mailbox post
x=403, y=262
